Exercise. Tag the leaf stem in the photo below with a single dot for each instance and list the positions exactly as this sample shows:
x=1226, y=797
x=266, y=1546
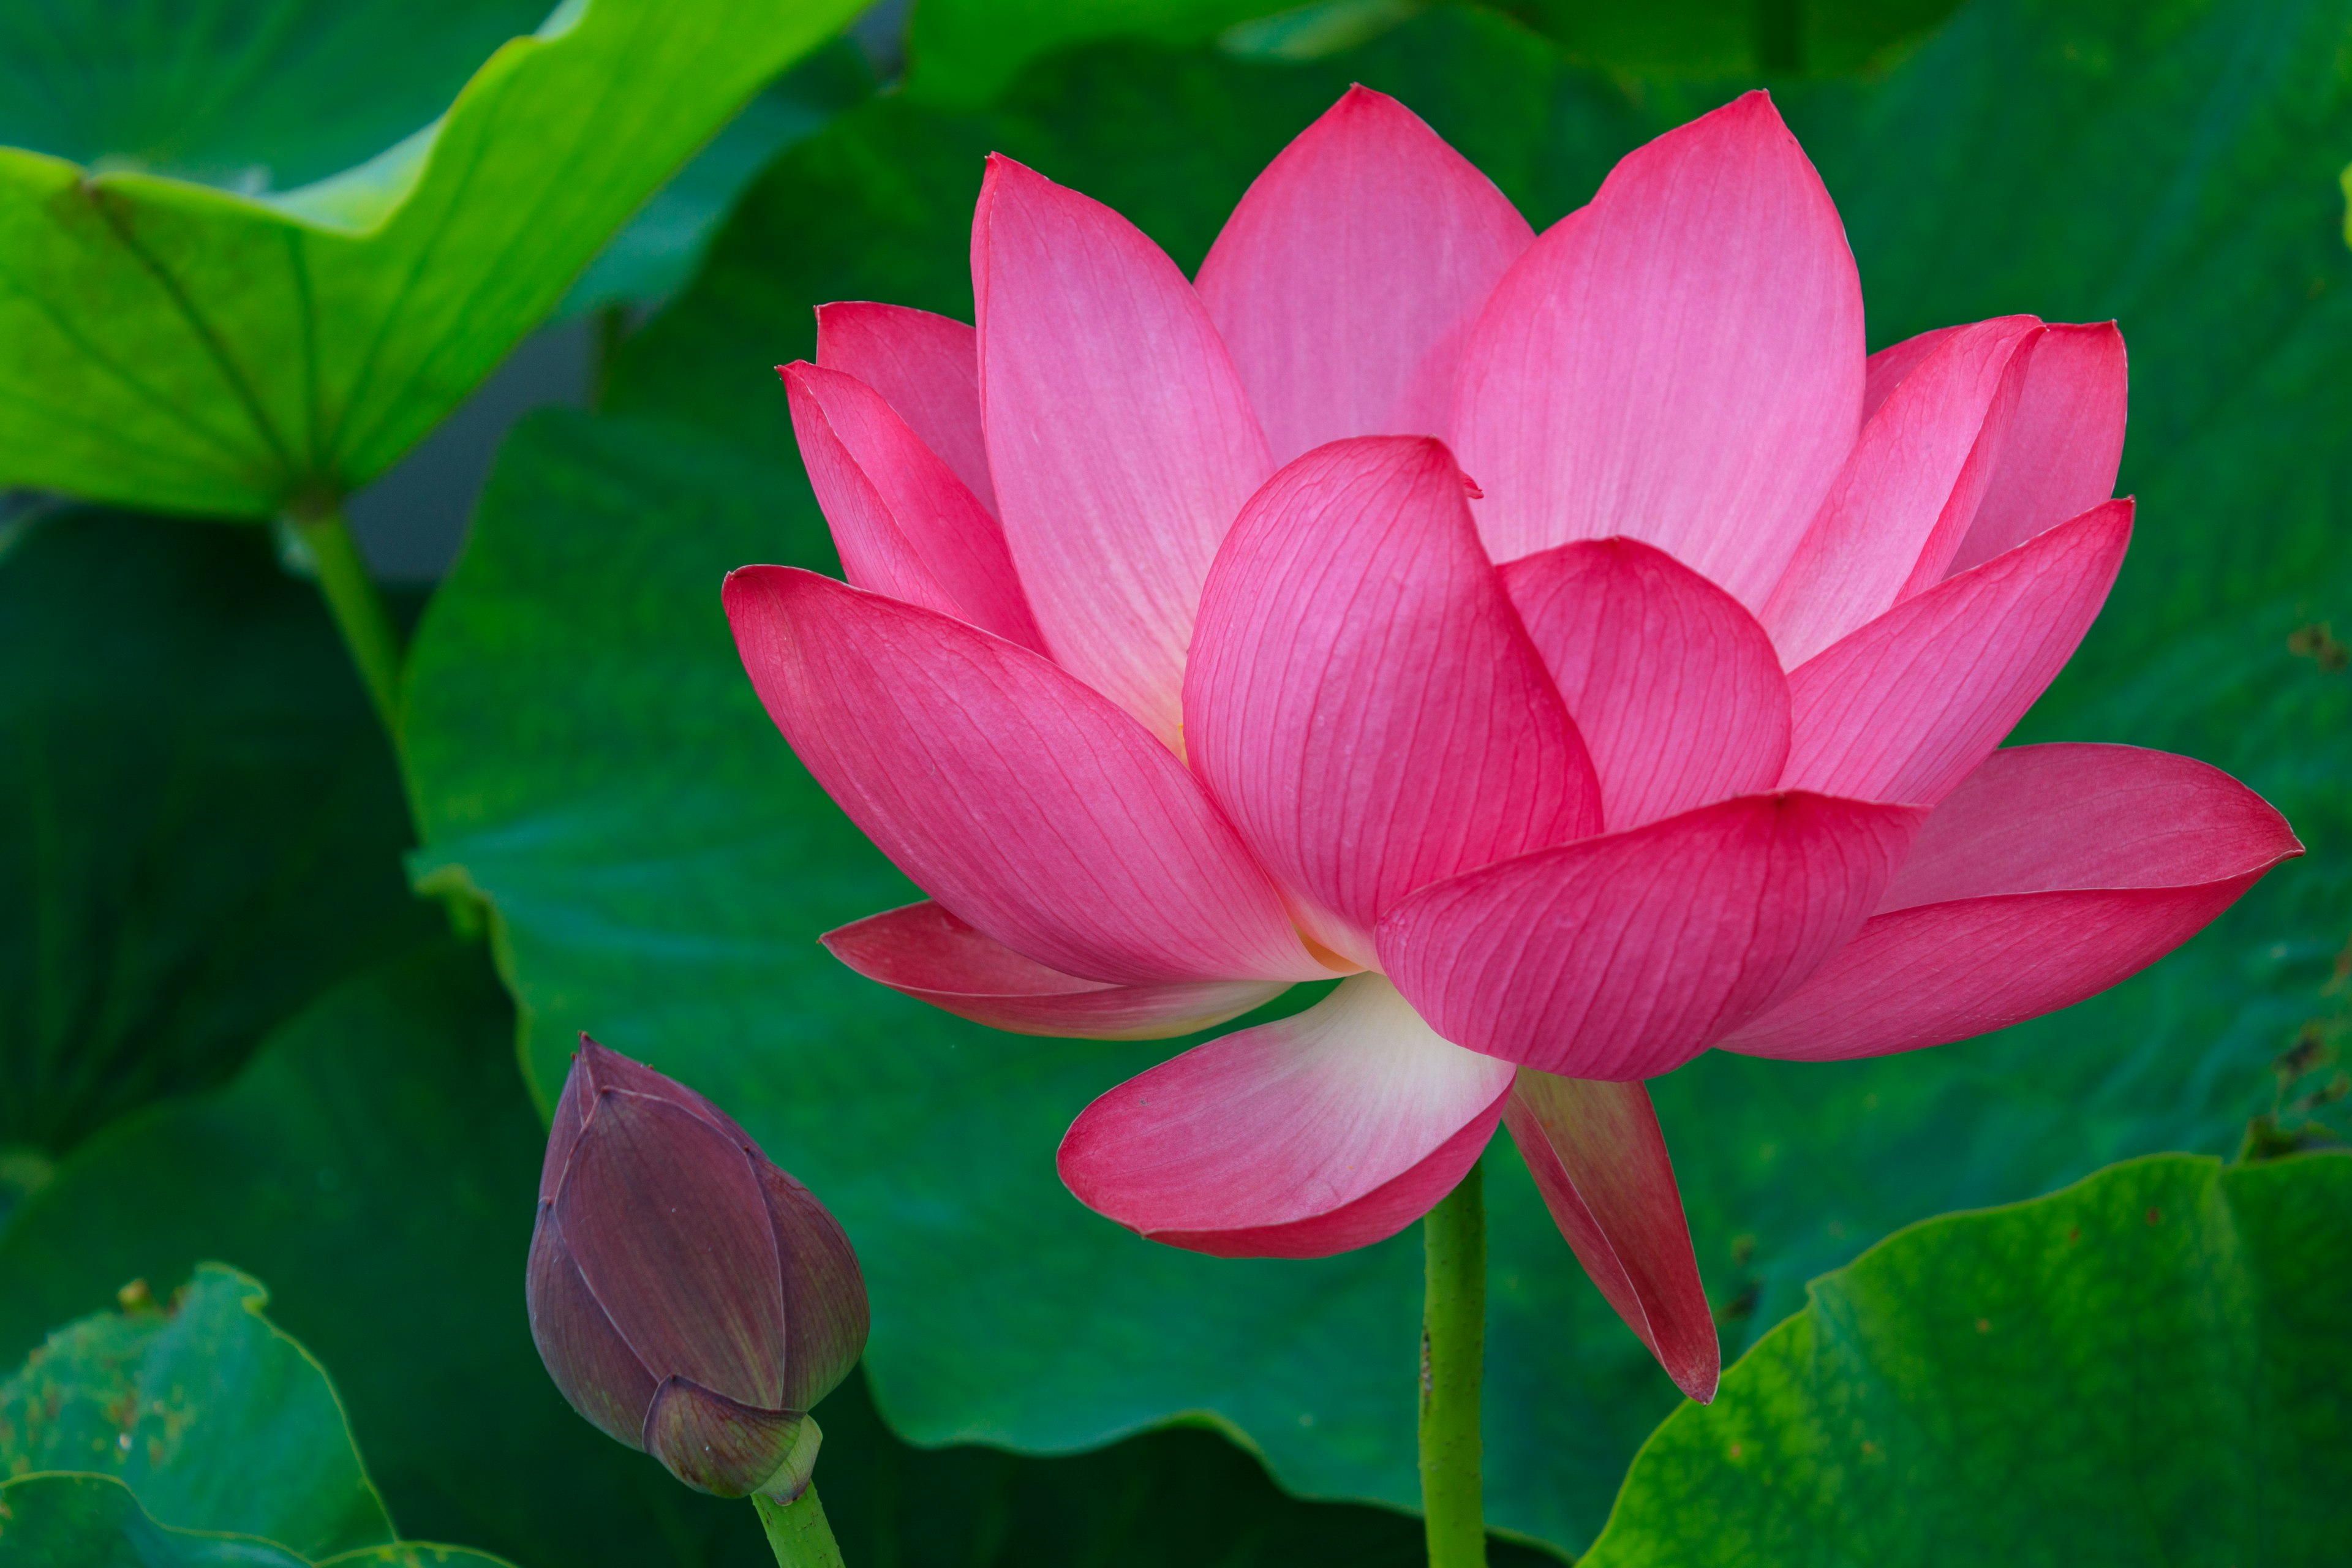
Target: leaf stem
x=1452, y=1354
x=797, y=1532
x=358, y=609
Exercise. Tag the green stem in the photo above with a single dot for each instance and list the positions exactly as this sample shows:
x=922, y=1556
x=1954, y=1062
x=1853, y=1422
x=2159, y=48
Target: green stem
x=358, y=609
x=797, y=1532
x=1453, y=1351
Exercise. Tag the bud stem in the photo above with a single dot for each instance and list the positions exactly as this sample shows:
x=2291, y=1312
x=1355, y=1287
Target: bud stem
x=1453, y=1351
x=797, y=1532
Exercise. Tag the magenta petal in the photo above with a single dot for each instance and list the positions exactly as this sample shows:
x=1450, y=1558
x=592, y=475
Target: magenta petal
x=2065, y=440
x=697, y=1293
x=1010, y=792
x=1671, y=682
x=1600, y=1162
x=1885, y=370
x=1361, y=699
x=1905, y=706
x=1909, y=490
x=1626, y=956
x=928, y=953
x=926, y=366
x=904, y=523
x=2051, y=873
x=593, y=1366
x=1347, y=278
x=1120, y=441
x=1681, y=361
x=1311, y=1135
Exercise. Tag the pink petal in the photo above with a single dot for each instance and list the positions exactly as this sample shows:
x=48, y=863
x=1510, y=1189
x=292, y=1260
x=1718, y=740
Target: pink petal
x=1681, y=361
x=1118, y=435
x=1908, y=491
x=2050, y=873
x=1623, y=957
x=1362, y=701
x=930, y=955
x=1600, y=1162
x=1885, y=370
x=904, y=523
x=1905, y=707
x=2064, y=443
x=1007, y=790
x=926, y=366
x=1347, y=278
x=1316, y=1133
x=1671, y=682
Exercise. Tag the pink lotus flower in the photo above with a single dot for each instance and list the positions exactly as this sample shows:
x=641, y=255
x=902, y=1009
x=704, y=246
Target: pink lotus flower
x=1183, y=664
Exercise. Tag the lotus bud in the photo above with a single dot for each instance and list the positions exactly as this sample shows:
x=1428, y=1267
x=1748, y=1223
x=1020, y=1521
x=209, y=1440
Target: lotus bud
x=688, y=1297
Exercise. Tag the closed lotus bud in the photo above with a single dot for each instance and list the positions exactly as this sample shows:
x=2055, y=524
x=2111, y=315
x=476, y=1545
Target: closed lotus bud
x=688, y=1297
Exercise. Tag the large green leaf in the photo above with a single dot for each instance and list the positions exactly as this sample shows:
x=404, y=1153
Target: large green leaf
x=178, y=346
x=213, y=1418
x=66, y=1521
x=2148, y=1367
x=205, y=820
x=378, y=1161
x=589, y=758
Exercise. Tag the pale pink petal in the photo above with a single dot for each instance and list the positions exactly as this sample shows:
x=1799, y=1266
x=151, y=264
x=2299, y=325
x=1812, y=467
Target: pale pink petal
x=1347, y=278
x=1626, y=956
x=1908, y=491
x=1362, y=701
x=2065, y=441
x=1007, y=790
x=1600, y=1162
x=1329, y=1130
x=1885, y=370
x=1669, y=680
x=925, y=366
x=1681, y=361
x=2051, y=873
x=1905, y=707
x=928, y=953
x=1118, y=435
x=905, y=525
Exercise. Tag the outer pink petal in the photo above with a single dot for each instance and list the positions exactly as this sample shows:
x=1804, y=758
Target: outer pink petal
x=1007, y=790
x=1118, y=435
x=1885, y=370
x=2064, y=442
x=1909, y=490
x=1331, y=1130
x=1671, y=682
x=1347, y=278
x=2051, y=874
x=926, y=366
x=928, y=953
x=1362, y=701
x=1681, y=361
x=1600, y=1162
x=1905, y=707
x=904, y=523
x=1623, y=957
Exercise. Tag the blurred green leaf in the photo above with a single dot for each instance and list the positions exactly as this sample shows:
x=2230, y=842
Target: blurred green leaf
x=93, y=1521
x=379, y=1162
x=213, y=1418
x=589, y=756
x=205, y=819
x=248, y=95
x=176, y=346
x=2150, y=1366
x=1703, y=38
x=962, y=53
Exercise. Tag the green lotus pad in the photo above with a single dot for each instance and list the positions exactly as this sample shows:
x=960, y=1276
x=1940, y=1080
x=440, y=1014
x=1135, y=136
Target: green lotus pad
x=53, y=1520
x=2147, y=1367
x=186, y=348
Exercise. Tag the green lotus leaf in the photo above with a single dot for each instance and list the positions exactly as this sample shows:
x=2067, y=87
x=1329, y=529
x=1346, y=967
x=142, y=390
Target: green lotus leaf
x=52, y=1519
x=183, y=347
x=2150, y=1366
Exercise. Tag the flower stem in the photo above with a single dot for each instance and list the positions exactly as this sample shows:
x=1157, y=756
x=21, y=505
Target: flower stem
x=797, y=1532
x=358, y=610
x=1452, y=1353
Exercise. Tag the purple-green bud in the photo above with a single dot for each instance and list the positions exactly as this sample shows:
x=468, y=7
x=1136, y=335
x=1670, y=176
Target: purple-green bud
x=688, y=1297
